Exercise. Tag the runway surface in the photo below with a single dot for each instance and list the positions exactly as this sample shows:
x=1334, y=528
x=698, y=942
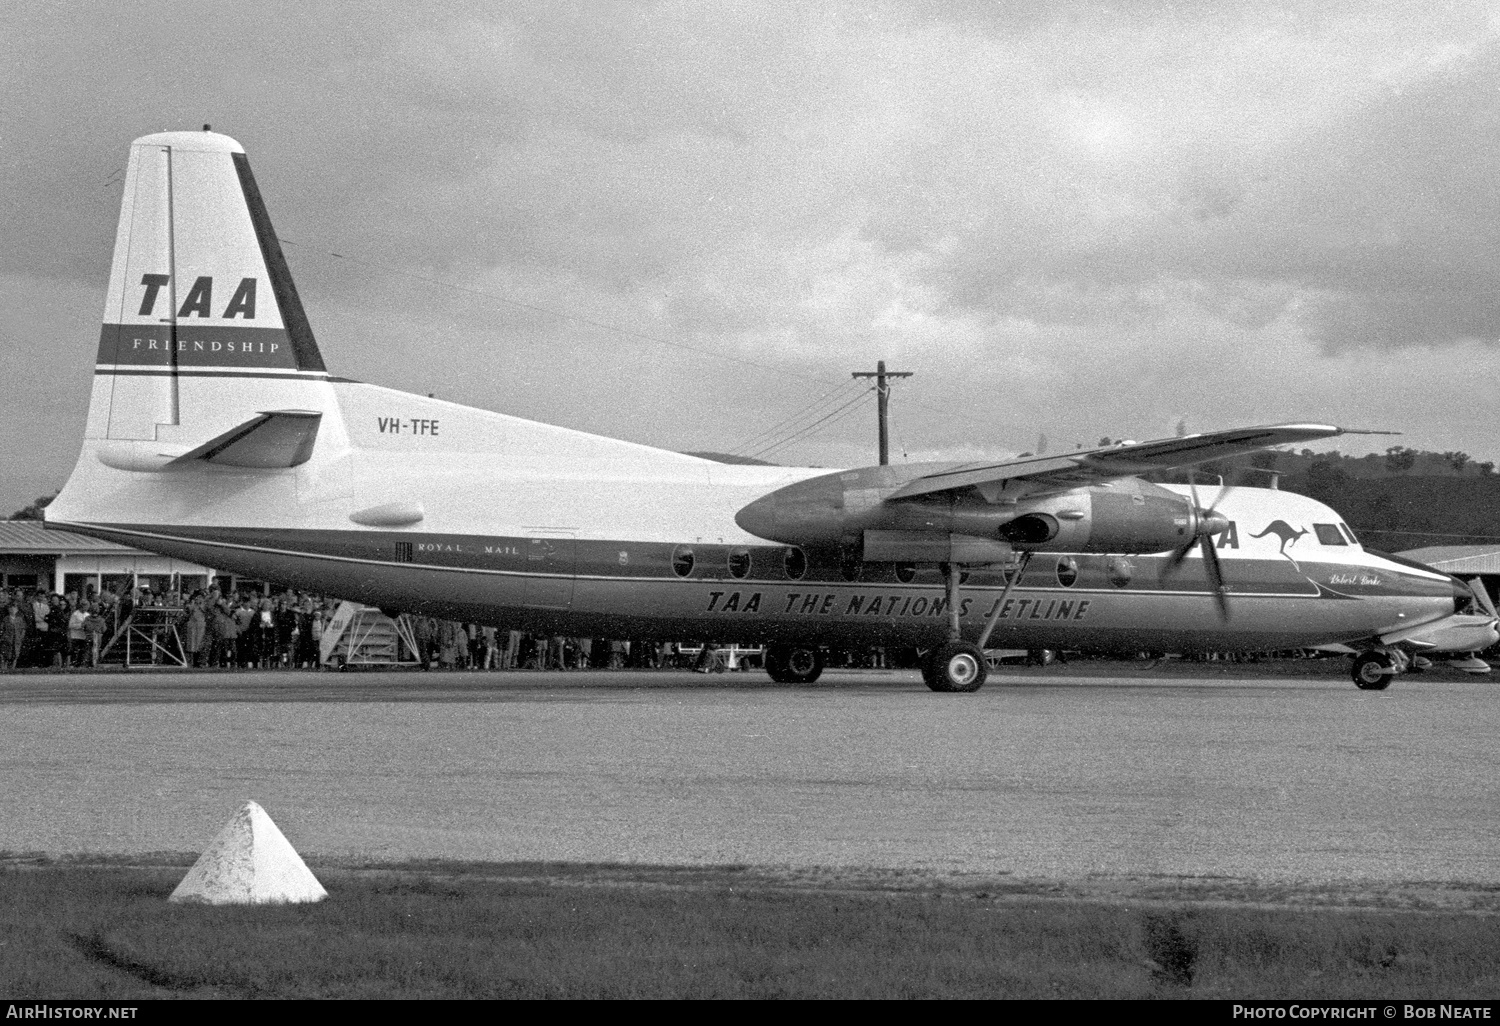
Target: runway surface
x=1042, y=775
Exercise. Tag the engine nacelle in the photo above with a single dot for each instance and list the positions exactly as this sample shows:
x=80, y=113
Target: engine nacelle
x=1124, y=515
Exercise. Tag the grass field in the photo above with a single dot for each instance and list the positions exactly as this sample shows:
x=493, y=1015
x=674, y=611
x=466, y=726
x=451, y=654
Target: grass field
x=106, y=931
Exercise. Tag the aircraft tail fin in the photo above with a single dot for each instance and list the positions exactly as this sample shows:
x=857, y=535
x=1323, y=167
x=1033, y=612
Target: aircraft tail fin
x=203, y=327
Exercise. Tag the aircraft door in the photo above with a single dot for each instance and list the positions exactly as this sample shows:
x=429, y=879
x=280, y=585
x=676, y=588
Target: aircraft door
x=550, y=567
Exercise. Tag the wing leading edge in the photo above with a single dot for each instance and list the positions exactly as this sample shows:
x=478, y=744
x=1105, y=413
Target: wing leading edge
x=1093, y=466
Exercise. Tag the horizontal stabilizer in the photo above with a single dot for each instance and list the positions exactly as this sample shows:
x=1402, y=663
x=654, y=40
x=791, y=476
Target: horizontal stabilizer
x=271, y=440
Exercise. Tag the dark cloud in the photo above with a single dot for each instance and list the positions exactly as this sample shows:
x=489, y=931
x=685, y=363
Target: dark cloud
x=1018, y=202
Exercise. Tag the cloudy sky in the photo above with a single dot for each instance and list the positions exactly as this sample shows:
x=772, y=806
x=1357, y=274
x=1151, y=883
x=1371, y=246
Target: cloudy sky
x=686, y=223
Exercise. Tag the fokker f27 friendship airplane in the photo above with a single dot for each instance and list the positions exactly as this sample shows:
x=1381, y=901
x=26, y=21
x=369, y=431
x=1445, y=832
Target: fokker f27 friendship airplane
x=217, y=435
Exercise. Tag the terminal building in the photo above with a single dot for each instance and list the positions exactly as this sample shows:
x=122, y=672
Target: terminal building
x=57, y=561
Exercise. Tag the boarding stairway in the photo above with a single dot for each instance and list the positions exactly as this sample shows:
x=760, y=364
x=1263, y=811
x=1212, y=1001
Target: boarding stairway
x=149, y=636
x=364, y=636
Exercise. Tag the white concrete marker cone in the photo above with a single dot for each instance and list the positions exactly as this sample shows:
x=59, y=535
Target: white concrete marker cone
x=250, y=862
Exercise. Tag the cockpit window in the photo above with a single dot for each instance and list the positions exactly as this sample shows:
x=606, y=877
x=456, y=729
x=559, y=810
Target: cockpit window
x=1348, y=533
x=1328, y=534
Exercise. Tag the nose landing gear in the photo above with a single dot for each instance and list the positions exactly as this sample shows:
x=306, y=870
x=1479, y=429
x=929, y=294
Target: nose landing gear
x=1374, y=670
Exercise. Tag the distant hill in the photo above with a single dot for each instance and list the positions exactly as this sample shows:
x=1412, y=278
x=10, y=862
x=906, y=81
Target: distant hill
x=1396, y=513
x=724, y=457
x=1401, y=499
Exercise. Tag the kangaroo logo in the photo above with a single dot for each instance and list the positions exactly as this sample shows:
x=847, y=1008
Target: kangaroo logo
x=1286, y=532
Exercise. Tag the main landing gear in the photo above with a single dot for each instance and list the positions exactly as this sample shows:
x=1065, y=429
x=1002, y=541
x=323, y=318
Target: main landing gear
x=1374, y=670
x=794, y=664
x=955, y=666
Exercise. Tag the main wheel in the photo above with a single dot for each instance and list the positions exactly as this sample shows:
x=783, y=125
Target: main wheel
x=956, y=666
x=773, y=665
x=794, y=664
x=1373, y=671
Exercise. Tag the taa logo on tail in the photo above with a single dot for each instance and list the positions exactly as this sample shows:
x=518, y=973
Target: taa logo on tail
x=200, y=297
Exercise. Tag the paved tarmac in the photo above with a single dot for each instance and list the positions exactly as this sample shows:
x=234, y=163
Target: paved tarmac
x=1042, y=774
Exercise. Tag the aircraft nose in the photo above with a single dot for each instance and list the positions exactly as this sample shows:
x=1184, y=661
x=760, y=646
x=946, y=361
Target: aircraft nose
x=1463, y=594
x=759, y=518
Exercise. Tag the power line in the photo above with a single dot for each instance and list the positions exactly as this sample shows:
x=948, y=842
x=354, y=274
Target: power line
x=944, y=411
x=849, y=406
x=787, y=423
x=602, y=326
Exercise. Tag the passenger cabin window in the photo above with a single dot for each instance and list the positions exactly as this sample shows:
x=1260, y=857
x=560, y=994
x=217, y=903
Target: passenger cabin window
x=795, y=563
x=1067, y=571
x=1328, y=534
x=682, y=561
x=906, y=572
x=739, y=562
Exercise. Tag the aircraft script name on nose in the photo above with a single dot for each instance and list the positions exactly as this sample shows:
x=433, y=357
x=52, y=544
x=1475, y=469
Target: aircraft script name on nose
x=1368, y=579
x=836, y=604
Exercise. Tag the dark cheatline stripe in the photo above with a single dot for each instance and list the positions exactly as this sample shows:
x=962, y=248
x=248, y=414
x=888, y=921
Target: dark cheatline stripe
x=304, y=346
x=598, y=559
x=143, y=345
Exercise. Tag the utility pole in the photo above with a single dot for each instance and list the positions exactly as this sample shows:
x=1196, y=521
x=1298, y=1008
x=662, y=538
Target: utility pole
x=883, y=397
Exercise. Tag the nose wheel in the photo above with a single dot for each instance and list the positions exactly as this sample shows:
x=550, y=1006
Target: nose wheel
x=1373, y=671
x=955, y=666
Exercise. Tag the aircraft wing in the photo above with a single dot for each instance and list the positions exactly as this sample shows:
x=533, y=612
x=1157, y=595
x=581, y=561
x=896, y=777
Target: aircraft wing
x=1092, y=466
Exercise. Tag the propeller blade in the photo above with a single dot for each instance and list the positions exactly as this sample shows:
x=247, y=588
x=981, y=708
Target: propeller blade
x=1215, y=572
x=1178, y=555
x=1477, y=587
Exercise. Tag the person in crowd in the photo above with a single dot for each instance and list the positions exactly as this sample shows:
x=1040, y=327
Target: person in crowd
x=286, y=633
x=12, y=636
x=321, y=616
x=41, y=644
x=78, y=635
x=449, y=634
x=265, y=635
x=243, y=615
x=94, y=624
x=488, y=647
x=57, y=631
x=423, y=631
x=194, y=630
x=309, y=636
x=226, y=634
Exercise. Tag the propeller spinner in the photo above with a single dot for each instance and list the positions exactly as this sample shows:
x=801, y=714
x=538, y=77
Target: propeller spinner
x=1206, y=523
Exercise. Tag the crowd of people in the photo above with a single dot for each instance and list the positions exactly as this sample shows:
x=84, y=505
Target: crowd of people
x=204, y=627
x=250, y=630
